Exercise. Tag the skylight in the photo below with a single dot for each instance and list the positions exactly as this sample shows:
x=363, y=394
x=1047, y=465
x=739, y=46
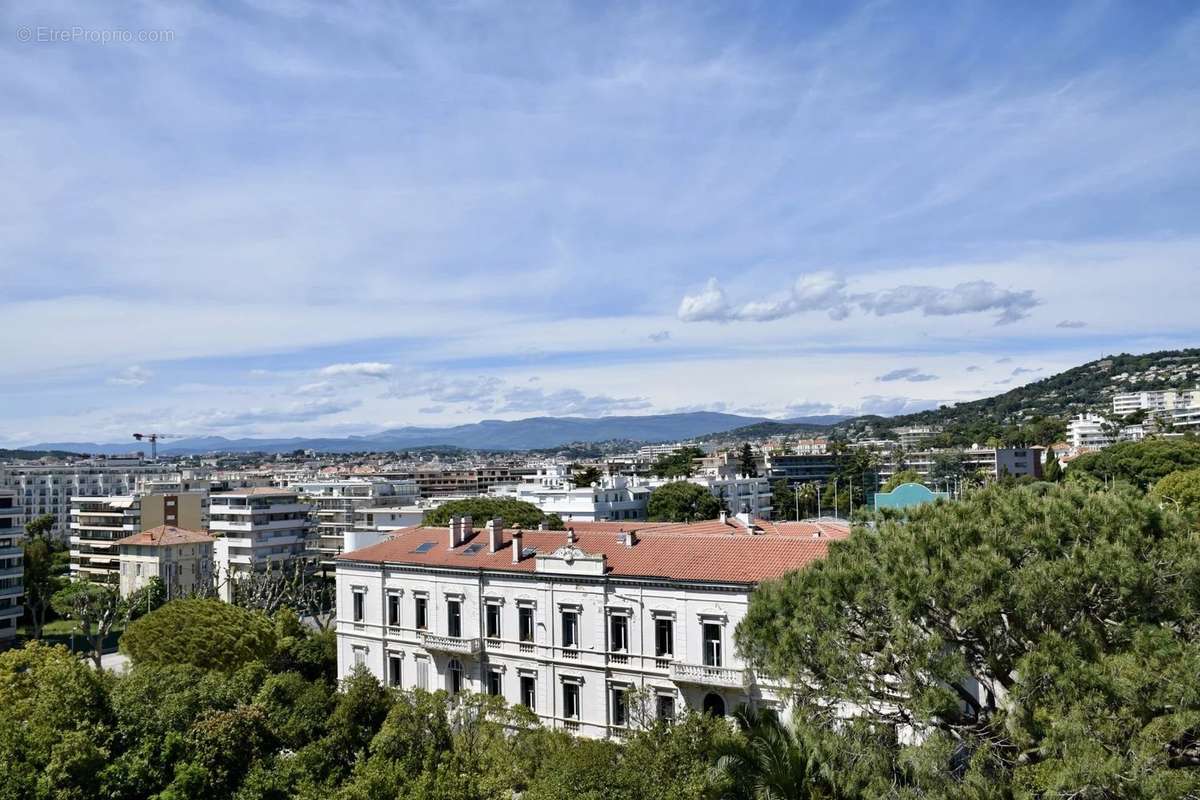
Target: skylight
x=528, y=551
x=424, y=547
x=473, y=549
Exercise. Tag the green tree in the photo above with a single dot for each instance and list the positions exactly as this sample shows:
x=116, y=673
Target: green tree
x=768, y=761
x=55, y=724
x=1181, y=487
x=747, y=463
x=587, y=476
x=46, y=565
x=1041, y=639
x=900, y=478
x=783, y=501
x=682, y=501
x=1053, y=472
x=202, y=632
x=40, y=526
x=481, y=509
x=680, y=464
x=95, y=607
x=1138, y=463
x=147, y=598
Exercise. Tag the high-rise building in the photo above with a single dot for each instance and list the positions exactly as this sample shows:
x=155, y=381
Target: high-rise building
x=97, y=523
x=336, y=502
x=256, y=529
x=12, y=566
x=48, y=488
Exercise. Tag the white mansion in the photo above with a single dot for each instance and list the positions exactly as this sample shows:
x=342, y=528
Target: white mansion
x=567, y=622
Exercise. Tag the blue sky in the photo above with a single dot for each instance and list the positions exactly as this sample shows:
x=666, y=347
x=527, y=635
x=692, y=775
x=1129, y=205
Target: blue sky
x=306, y=218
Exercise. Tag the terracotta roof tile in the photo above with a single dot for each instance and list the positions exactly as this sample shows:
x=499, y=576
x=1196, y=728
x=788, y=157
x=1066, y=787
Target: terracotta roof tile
x=680, y=552
x=167, y=535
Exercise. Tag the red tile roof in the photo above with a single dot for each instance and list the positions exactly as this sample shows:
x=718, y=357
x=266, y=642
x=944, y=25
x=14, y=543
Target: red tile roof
x=167, y=535
x=680, y=552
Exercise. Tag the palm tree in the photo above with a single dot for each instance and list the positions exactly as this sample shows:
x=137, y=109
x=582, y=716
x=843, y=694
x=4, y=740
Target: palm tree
x=768, y=763
x=807, y=494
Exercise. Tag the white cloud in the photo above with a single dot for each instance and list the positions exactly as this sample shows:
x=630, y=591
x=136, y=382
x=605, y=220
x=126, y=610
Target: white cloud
x=1071, y=323
x=567, y=402
x=131, y=376
x=659, y=336
x=825, y=291
x=362, y=369
x=306, y=411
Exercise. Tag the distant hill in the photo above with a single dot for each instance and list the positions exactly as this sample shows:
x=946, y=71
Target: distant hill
x=524, y=434
x=1037, y=412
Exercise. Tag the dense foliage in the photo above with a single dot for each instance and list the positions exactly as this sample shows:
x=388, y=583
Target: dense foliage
x=515, y=513
x=1139, y=463
x=203, y=633
x=1181, y=488
x=682, y=501
x=1038, y=640
x=900, y=478
x=680, y=464
x=279, y=728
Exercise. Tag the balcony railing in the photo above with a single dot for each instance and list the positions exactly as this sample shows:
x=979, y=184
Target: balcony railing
x=702, y=675
x=451, y=644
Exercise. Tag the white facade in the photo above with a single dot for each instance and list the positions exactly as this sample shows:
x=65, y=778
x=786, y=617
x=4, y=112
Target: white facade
x=256, y=528
x=48, y=488
x=567, y=639
x=12, y=569
x=614, y=498
x=97, y=523
x=1155, y=400
x=335, y=504
x=1089, y=432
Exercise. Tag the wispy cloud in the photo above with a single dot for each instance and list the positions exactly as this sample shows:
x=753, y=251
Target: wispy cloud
x=131, y=376
x=362, y=369
x=910, y=374
x=827, y=292
x=1071, y=323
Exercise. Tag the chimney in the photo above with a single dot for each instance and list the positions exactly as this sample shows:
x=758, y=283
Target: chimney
x=452, y=540
x=495, y=528
x=464, y=529
x=724, y=517
x=541, y=526
x=517, y=536
x=630, y=538
x=570, y=536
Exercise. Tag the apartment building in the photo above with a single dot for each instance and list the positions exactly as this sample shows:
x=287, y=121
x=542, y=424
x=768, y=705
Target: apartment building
x=48, y=488
x=913, y=436
x=12, y=566
x=387, y=518
x=256, y=528
x=798, y=468
x=991, y=462
x=336, y=503
x=554, y=492
x=1089, y=432
x=182, y=559
x=473, y=481
x=1155, y=400
x=565, y=622
x=97, y=523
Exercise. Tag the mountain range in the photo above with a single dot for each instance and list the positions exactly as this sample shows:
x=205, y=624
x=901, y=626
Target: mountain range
x=524, y=434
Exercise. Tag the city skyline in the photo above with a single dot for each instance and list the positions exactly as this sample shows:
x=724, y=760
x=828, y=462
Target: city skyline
x=298, y=220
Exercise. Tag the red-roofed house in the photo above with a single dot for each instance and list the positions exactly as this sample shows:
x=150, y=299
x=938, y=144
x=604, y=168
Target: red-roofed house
x=567, y=622
x=182, y=558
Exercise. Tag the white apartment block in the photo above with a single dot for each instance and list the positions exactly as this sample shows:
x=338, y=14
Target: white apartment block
x=97, y=523
x=12, y=566
x=335, y=504
x=912, y=436
x=993, y=462
x=614, y=498
x=1089, y=432
x=256, y=529
x=388, y=518
x=1155, y=400
x=565, y=622
x=48, y=488
x=182, y=559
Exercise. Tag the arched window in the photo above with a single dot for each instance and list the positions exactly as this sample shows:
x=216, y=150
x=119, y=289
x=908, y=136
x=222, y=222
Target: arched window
x=454, y=670
x=714, y=704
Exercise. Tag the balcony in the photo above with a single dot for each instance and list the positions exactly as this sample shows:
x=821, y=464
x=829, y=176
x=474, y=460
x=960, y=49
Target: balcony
x=11, y=551
x=8, y=612
x=12, y=591
x=450, y=644
x=702, y=675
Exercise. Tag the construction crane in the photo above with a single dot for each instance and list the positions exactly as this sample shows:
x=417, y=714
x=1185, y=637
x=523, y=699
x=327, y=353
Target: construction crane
x=153, y=438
